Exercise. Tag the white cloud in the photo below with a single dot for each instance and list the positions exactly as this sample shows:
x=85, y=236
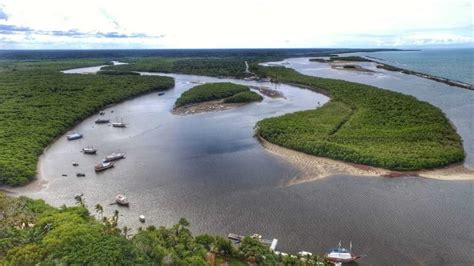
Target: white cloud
x=242, y=23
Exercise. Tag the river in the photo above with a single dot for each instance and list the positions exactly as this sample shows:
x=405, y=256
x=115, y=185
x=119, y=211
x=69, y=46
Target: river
x=210, y=169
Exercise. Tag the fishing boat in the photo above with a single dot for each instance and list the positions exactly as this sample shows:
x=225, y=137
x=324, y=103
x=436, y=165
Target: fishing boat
x=89, y=150
x=103, y=166
x=74, y=136
x=119, y=124
x=121, y=200
x=102, y=121
x=114, y=156
x=341, y=255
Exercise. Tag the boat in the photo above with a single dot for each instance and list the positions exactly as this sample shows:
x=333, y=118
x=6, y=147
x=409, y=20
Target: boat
x=119, y=124
x=161, y=93
x=89, y=150
x=102, y=121
x=114, y=156
x=74, y=136
x=75, y=164
x=121, y=200
x=141, y=218
x=101, y=113
x=80, y=174
x=103, y=166
x=341, y=255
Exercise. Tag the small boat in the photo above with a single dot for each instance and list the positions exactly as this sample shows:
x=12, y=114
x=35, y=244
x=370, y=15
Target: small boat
x=141, y=218
x=103, y=166
x=341, y=255
x=74, y=136
x=161, y=93
x=119, y=124
x=89, y=150
x=80, y=174
x=102, y=121
x=121, y=200
x=75, y=164
x=101, y=113
x=63, y=175
x=114, y=156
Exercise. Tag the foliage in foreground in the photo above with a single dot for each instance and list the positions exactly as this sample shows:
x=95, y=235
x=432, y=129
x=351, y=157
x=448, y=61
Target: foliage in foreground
x=210, y=92
x=364, y=124
x=38, y=103
x=32, y=232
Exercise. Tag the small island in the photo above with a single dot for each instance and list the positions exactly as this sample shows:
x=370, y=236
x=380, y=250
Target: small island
x=214, y=97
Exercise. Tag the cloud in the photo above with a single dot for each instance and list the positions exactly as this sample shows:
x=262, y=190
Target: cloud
x=13, y=29
x=3, y=15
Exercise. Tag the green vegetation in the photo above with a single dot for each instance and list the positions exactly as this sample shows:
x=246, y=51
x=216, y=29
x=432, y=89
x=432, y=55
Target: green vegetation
x=221, y=66
x=32, y=232
x=364, y=124
x=38, y=103
x=117, y=72
x=341, y=58
x=210, y=92
x=244, y=97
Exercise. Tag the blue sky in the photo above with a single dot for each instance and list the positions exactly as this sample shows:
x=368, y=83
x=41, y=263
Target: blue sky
x=87, y=24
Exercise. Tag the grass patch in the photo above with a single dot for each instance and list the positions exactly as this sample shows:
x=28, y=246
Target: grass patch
x=209, y=92
x=38, y=103
x=364, y=124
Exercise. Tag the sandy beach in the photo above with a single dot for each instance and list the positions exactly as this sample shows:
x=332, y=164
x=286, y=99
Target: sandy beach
x=314, y=167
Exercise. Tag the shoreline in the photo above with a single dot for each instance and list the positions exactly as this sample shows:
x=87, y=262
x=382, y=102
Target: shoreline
x=205, y=107
x=314, y=167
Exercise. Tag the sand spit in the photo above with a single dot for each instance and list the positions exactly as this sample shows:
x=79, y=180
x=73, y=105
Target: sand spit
x=209, y=106
x=314, y=167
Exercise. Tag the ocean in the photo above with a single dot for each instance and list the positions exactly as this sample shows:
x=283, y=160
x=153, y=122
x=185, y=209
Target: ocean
x=454, y=64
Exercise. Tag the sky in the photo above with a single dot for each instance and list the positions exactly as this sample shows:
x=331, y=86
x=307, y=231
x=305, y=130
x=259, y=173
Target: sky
x=126, y=24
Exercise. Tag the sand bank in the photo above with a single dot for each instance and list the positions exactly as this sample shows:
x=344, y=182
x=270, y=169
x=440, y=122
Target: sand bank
x=314, y=167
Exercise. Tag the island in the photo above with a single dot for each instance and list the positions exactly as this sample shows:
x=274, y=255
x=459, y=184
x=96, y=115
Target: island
x=364, y=125
x=214, y=97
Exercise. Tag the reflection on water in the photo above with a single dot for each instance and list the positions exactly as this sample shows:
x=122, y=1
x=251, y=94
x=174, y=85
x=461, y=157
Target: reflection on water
x=210, y=169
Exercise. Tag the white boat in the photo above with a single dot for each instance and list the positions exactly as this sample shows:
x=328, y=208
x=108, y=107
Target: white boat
x=114, y=156
x=74, y=136
x=121, y=200
x=141, y=218
x=103, y=166
x=341, y=255
x=89, y=150
x=119, y=124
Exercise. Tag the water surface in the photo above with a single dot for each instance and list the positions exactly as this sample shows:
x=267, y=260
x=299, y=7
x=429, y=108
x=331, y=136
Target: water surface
x=210, y=169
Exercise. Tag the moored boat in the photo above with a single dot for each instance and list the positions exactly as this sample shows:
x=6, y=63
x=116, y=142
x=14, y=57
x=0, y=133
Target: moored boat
x=80, y=174
x=341, y=255
x=121, y=200
x=161, y=93
x=103, y=166
x=74, y=136
x=114, y=156
x=89, y=150
x=119, y=124
x=102, y=121
x=141, y=218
